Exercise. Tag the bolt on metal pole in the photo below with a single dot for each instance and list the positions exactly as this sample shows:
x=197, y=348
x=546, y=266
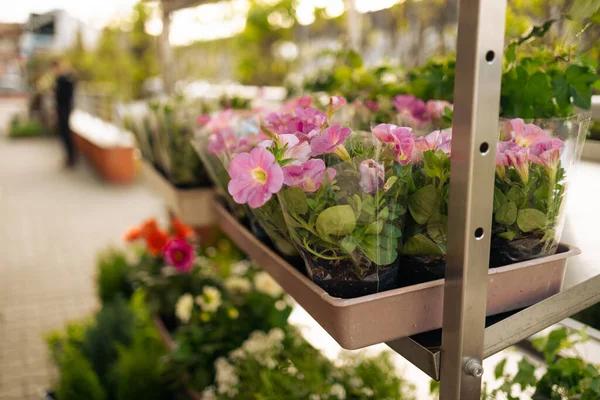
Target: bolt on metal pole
x=480, y=43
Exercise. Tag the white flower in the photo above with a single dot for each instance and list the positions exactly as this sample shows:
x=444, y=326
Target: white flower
x=262, y=347
x=280, y=305
x=209, y=393
x=210, y=300
x=356, y=382
x=132, y=256
x=226, y=377
x=238, y=285
x=168, y=270
x=314, y=397
x=183, y=308
x=240, y=268
x=367, y=392
x=267, y=285
x=338, y=391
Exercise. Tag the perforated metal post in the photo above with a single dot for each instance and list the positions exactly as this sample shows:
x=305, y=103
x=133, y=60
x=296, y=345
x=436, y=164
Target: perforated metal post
x=480, y=46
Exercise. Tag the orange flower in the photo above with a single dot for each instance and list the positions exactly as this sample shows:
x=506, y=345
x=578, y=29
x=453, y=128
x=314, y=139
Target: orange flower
x=181, y=230
x=134, y=233
x=156, y=241
x=148, y=227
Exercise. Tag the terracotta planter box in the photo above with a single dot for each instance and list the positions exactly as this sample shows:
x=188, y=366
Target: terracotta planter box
x=115, y=164
x=393, y=314
x=170, y=344
x=193, y=206
x=591, y=150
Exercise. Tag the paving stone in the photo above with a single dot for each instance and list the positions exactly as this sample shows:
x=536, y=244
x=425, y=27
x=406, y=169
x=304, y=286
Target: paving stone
x=54, y=223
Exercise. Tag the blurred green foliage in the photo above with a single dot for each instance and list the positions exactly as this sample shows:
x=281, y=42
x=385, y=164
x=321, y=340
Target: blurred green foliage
x=113, y=276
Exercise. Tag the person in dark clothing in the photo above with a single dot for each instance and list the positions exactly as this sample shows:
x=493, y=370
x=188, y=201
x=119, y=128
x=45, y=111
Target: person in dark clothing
x=64, y=91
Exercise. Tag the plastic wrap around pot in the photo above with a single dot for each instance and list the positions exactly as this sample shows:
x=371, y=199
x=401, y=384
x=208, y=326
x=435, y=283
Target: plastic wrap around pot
x=347, y=221
x=534, y=162
x=270, y=218
x=425, y=235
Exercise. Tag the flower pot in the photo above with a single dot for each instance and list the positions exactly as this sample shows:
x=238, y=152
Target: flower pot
x=533, y=165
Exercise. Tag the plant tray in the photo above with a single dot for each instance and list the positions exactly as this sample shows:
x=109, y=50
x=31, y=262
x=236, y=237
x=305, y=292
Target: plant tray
x=170, y=345
x=193, y=206
x=393, y=314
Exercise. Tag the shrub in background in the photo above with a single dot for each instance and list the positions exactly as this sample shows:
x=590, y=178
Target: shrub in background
x=78, y=381
x=113, y=276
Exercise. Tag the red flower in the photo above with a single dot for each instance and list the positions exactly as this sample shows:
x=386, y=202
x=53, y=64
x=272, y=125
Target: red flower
x=148, y=227
x=181, y=230
x=156, y=241
x=134, y=233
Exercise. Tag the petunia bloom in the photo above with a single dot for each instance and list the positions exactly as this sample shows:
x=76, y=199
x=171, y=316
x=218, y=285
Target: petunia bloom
x=411, y=109
x=255, y=177
x=526, y=135
x=402, y=139
x=547, y=154
x=371, y=105
x=436, y=109
x=309, y=176
x=156, y=241
x=179, y=254
x=329, y=140
x=221, y=140
x=335, y=104
x=435, y=140
x=203, y=119
x=372, y=176
x=519, y=160
x=295, y=150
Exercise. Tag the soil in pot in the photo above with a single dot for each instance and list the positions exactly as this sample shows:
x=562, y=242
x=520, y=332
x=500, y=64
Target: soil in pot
x=339, y=279
x=505, y=252
x=419, y=269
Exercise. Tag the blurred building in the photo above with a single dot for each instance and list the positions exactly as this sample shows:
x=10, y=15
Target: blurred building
x=55, y=32
x=11, y=78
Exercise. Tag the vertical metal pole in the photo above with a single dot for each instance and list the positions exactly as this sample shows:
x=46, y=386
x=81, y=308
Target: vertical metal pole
x=480, y=46
x=166, y=52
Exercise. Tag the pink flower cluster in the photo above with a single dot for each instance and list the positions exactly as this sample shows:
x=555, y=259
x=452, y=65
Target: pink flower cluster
x=418, y=113
x=223, y=138
x=302, y=133
x=528, y=143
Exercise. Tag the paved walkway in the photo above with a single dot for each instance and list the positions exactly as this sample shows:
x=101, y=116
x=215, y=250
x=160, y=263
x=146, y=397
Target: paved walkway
x=52, y=225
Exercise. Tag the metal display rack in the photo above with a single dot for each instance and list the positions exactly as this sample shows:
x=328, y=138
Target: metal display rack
x=455, y=354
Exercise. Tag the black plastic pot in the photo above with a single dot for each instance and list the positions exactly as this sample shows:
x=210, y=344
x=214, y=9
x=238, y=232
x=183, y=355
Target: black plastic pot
x=339, y=279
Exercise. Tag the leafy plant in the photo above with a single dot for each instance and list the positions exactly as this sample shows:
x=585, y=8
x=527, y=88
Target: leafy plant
x=21, y=128
x=566, y=377
x=113, y=276
x=217, y=319
x=280, y=364
x=78, y=381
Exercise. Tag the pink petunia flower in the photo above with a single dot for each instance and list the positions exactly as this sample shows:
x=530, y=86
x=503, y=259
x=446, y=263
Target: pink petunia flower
x=372, y=176
x=329, y=140
x=519, y=160
x=203, y=119
x=547, y=154
x=436, y=109
x=411, y=109
x=180, y=254
x=335, y=104
x=221, y=120
x=371, y=105
x=502, y=148
x=297, y=151
x=221, y=140
x=309, y=176
x=402, y=139
x=255, y=177
x=526, y=134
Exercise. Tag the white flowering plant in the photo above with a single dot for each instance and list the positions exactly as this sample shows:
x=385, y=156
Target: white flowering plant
x=217, y=320
x=281, y=364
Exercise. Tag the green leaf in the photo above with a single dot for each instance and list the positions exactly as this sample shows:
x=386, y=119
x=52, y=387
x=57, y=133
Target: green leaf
x=508, y=235
x=424, y=203
x=349, y=244
x=499, y=198
x=374, y=228
x=390, y=183
x=580, y=80
x=392, y=231
x=336, y=221
x=517, y=195
x=433, y=164
x=295, y=200
x=531, y=219
x=378, y=249
x=583, y=9
x=421, y=245
x=526, y=375
x=557, y=340
x=595, y=385
x=437, y=228
x=506, y=213
x=499, y=370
